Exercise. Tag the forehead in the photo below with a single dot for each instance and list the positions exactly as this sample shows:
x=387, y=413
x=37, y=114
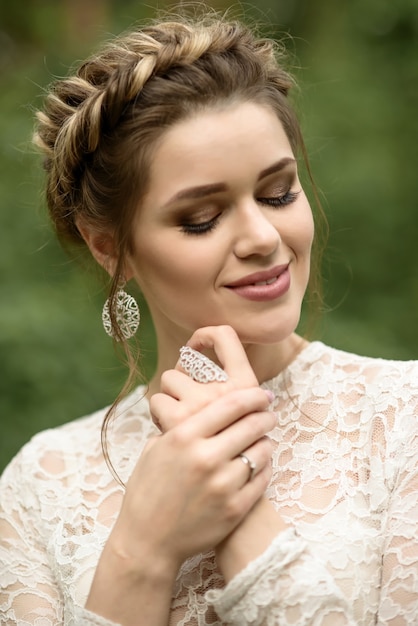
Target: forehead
x=217, y=145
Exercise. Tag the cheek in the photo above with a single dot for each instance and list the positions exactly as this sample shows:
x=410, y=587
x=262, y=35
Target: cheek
x=301, y=232
x=160, y=261
x=309, y=231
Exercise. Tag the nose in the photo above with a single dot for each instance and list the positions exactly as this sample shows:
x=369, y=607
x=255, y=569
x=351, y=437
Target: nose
x=255, y=234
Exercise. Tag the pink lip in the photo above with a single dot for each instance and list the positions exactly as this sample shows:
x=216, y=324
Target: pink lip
x=246, y=287
x=260, y=276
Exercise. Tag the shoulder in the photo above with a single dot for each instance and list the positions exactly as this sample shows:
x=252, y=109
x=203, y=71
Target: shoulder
x=355, y=391
x=379, y=395
x=59, y=479
x=376, y=375
x=69, y=451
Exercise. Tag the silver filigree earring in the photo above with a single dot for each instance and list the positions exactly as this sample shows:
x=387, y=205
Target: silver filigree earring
x=127, y=315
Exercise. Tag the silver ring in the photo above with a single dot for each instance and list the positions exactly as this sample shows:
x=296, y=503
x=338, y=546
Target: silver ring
x=200, y=368
x=251, y=465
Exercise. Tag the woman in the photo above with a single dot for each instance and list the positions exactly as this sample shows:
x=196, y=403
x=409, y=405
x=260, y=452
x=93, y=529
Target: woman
x=173, y=155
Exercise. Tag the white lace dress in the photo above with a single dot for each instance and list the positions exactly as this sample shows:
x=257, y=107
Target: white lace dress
x=345, y=477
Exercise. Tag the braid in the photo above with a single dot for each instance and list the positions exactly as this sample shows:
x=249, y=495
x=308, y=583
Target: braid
x=85, y=109
x=98, y=126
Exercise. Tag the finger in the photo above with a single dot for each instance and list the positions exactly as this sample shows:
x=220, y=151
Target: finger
x=252, y=491
x=180, y=386
x=244, y=433
x=232, y=477
x=189, y=395
x=238, y=473
x=226, y=410
x=228, y=350
x=166, y=412
x=259, y=454
x=177, y=384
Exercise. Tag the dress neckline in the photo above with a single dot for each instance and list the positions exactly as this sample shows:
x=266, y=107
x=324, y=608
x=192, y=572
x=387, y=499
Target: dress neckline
x=309, y=353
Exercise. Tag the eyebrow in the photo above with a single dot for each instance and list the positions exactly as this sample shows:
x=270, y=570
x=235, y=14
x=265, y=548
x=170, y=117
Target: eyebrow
x=276, y=167
x=194, y=193
x=201, y=191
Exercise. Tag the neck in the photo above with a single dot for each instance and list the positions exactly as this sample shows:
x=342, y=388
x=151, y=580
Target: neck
x=269, y=360
x=266, y=360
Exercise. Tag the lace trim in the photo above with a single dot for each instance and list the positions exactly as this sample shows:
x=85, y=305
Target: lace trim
x=284, y=549
x=83, y=617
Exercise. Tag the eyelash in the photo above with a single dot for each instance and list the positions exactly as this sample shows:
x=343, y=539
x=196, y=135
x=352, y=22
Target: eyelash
x=200, y=228
x=287, y=198
x=206, y=227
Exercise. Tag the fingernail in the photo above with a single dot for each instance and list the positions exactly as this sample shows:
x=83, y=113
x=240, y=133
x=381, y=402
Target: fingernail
x=270, y=395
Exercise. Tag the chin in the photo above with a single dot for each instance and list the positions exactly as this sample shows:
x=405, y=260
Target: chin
x=267, y=333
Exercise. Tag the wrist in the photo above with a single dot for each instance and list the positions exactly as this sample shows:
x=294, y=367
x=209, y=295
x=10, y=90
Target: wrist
x=127, y=584
x=250, y=539
x=132, y=558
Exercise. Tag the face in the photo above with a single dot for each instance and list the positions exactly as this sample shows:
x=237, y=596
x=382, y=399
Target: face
x=224, y=233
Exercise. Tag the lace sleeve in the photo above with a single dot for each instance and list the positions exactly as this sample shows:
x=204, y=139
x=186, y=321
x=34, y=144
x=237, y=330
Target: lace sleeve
x=290, y=583
x=285, y=585
x=29, y=594
x=27, y=591
x=86, y=618
x=399, y=587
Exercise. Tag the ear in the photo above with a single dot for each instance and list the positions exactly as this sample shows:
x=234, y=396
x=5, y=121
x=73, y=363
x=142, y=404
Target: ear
x=101, y=246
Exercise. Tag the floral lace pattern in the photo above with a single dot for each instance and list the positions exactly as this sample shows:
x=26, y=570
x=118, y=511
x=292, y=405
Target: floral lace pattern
x=345, y=477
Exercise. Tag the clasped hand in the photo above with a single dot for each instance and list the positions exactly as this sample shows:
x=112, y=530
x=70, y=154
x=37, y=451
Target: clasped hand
x=190, y=489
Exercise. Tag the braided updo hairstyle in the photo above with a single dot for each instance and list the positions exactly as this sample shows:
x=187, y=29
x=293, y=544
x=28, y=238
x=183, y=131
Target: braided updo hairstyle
x=98, y=127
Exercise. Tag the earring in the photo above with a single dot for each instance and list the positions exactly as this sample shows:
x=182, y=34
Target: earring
x=127, y=315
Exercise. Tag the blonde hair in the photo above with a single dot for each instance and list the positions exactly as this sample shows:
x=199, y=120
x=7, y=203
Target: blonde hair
x=99, y=126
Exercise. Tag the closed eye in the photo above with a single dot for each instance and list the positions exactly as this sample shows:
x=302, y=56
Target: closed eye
x=278, y=201
x=200, y=228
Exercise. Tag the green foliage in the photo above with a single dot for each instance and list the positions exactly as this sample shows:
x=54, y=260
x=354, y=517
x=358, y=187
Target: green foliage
x=357, y=63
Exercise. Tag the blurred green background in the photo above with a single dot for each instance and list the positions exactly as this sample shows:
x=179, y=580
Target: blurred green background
x=357, y=63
